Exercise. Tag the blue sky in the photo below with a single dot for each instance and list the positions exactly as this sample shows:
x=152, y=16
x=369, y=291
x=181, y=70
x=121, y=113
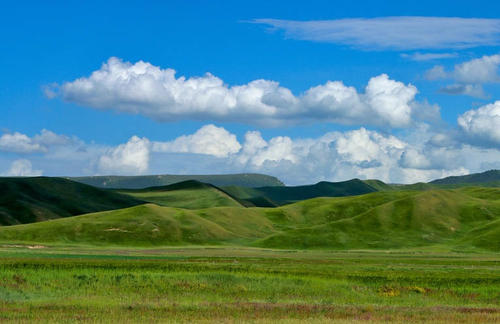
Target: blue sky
x=300, y=45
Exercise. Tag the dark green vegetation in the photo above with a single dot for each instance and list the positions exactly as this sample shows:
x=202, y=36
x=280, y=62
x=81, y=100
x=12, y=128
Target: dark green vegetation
x=189, y=194
x=379, y=220
x=277, y=196
x=488, y=178
x=225, y=285
x=139, y=182
x=27, y=200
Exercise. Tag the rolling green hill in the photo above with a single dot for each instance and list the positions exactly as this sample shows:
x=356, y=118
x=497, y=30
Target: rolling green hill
x=27, y=200
x=140, y=182
x=466, y=218
x=488, y=178
x=276, y=196
x=189, y=194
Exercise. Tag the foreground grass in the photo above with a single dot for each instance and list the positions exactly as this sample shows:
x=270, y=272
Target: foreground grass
x=222, y=284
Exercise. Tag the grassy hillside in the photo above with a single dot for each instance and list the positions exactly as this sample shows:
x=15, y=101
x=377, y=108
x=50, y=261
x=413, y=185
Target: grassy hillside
x=147, y=224
x=414, y=219
x=27, y=200
x=276, y=196
x=189, y=194
x=379, y=185
x=140, y=182
x=491, y=177
x=382, y=220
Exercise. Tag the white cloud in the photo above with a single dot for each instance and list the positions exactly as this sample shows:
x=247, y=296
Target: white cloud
x=482, y=125
x=256, y=151
x=469, y=76
x=413, y=159
x=394, y=33
x=129, y=158
x=391, y=99
x=142, y=88
x=420, y=154
x=209, y=139
x=22, y=168
x=19, y=143
x=481, y=70
x=476, y=71
x=435, y=73
x=358, y=153
x=428, y=56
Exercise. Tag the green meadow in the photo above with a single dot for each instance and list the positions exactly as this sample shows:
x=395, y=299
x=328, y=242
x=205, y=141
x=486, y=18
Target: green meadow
x=58, y=283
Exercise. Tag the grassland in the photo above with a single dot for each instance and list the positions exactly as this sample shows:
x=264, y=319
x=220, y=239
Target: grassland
x=187, y=194
x=224, y=284
x=460, y=219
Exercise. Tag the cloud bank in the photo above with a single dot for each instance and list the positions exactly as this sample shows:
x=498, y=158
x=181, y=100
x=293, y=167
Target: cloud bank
x=420, y=154
x=142, y=88
x=394, y=33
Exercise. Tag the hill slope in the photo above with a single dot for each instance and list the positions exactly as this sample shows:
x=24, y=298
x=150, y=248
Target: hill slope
x=276, y=196
x=140, y=182
x=27, y=200
x=189, y=194
x=491, y=177
x=391, y=219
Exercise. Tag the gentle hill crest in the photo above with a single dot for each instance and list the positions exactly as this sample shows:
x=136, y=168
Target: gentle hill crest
x=190, y=194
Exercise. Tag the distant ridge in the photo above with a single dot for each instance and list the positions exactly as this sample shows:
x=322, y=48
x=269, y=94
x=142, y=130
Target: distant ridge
x=140, y=182
x=268, y=196
x=491, y=176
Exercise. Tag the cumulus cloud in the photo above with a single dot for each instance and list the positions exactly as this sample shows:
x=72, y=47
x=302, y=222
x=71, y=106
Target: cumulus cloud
x=209, y=139
x=22, y=168
x=21, y=143
x=129, y=158
x=394, y=33
x=143, y=88
x=469, y=76
x=482, y=125
x=480, y=70
x=420, y=154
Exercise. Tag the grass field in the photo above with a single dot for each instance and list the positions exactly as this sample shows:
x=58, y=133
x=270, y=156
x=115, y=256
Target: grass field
x=463, y=219
x=226, y=284
x=187, y=194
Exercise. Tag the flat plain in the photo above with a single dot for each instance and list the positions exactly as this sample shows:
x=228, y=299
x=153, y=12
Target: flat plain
x=62, y=283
